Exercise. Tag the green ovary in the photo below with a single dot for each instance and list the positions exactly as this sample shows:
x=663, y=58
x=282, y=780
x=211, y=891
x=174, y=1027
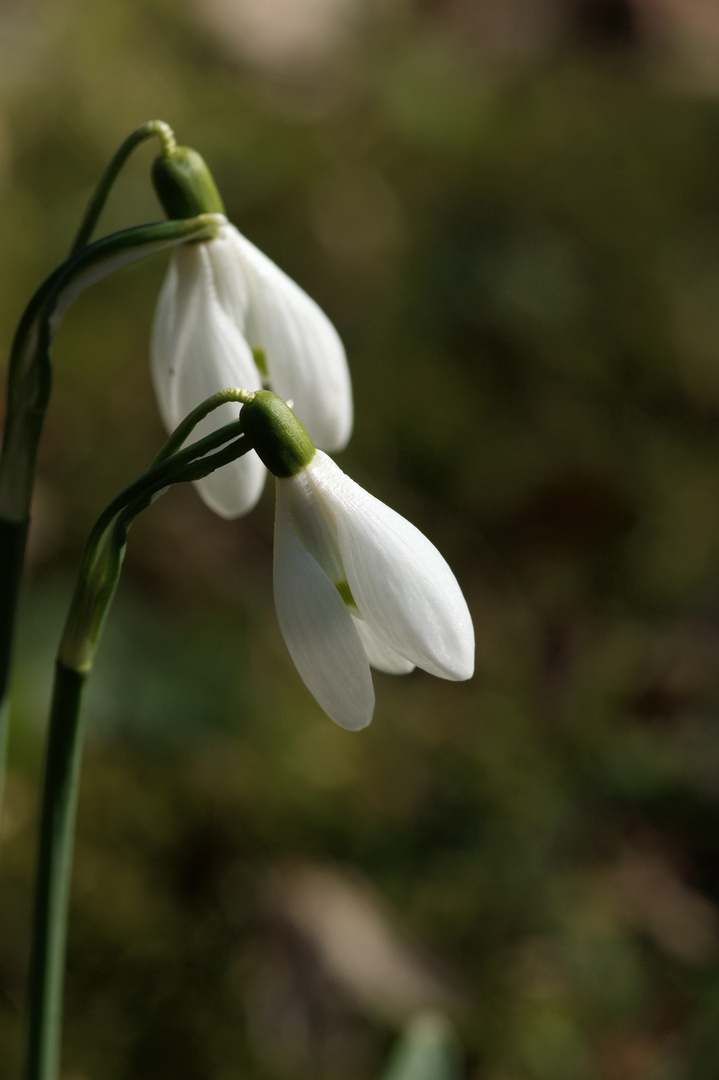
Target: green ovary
x=346, y=593
x=261, y=361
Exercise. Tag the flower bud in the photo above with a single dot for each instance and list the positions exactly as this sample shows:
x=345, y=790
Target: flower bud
x=184, y=184
x=279, y=439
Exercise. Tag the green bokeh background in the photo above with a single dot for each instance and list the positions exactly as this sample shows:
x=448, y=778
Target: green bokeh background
x=520, y=249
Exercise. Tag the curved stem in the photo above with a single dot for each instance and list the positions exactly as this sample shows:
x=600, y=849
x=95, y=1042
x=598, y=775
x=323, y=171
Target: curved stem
x=104, y=550
x=95, y=207
x=29, y=375
x=94, y=591
x=164, y=470
x=184, y=429
x=29, y=383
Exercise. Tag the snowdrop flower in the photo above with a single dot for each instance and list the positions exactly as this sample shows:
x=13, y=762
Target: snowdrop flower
x=355, y=583
x=228, y=316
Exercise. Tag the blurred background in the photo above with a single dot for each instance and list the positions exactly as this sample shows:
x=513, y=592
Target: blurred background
x=510, y=210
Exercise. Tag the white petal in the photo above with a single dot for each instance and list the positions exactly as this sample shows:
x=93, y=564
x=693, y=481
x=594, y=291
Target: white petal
x=306, y=360
x=318, y=629
x=231, y=281
x=197, y=350
x=401, y=585
x=381, y=656
x=314, y=523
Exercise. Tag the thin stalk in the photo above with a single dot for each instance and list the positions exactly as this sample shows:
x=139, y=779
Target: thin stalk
x=166, y=470
x=29, y=384
x=146, y=131
x=94, y=592
x=105, y=548
x=57, y=830
x=12, y=552
x=187, y=426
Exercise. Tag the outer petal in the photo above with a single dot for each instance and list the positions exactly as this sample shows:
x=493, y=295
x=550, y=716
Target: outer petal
x=318, y=629
x=197, y=350
x=402, y=586
x=380, y=655
x=315, y=526
x=306, y=360
x=231, y=280
x=314, y=523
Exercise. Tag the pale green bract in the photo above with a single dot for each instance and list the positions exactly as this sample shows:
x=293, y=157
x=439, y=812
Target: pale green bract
x=220, y=301
x=357, y=585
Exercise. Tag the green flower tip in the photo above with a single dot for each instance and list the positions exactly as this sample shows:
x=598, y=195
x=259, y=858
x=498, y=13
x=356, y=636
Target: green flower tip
x=184, y=184
x=278, y=437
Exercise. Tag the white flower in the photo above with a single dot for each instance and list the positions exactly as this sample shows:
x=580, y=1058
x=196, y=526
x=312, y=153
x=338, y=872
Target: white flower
x=356, y=584
x=220, y=301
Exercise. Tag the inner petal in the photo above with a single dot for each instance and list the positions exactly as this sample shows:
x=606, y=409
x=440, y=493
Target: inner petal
x=381, y=656
x=315, y=525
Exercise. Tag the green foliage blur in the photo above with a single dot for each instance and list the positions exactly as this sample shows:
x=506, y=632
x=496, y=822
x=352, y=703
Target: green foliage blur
x=521, y=253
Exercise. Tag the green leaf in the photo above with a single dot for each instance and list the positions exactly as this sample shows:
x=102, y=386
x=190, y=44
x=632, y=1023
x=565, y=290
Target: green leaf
x=426, y=1050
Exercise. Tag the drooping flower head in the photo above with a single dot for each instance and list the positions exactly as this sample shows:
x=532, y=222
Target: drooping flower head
x=227, y=315
x=355, y=583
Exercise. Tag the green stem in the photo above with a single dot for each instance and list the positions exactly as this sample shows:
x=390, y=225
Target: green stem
x=29, y=383
x=146, y=131
x=12, y=552
x=165, y=469
x=57, y=829
x=105, y=548
x=30, y=373
x=187, y=426
x=94, y=591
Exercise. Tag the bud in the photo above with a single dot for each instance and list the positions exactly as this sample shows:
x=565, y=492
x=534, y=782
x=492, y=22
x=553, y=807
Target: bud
x=279, y=439
x=184, y=184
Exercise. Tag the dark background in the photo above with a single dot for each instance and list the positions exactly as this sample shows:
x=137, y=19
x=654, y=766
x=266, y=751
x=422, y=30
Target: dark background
x=510, y=210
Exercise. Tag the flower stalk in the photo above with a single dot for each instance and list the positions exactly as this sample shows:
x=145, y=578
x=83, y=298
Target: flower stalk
x=30, y=376
x=96, y=205
x=57, y=827
x=95, y=589
x=29, y=386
